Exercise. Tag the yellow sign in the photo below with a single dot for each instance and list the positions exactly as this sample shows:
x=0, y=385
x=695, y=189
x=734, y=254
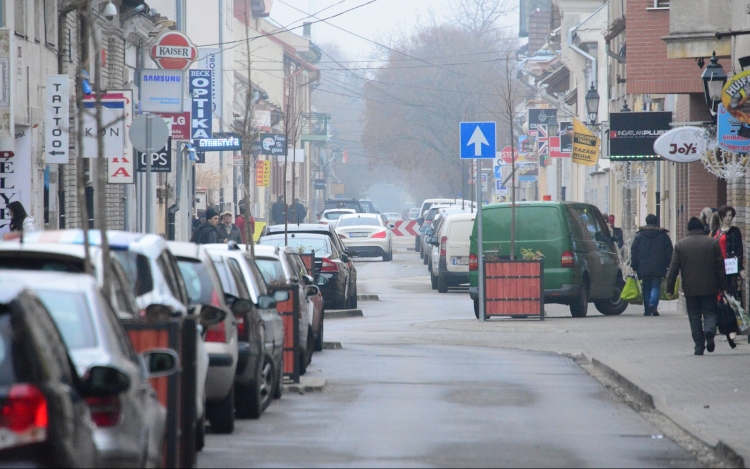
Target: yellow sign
x=735, y=96
x=259, y=225
x=337, y=189
x=262, y=173
x=585, y=145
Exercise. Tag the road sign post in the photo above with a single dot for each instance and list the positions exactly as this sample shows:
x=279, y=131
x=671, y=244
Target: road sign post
x=478, y=142
x=149, y=133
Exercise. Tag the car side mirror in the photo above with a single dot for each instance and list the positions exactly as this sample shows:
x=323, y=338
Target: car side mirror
x=161, y=362
x=268, y=301
x=104, y=381
x=308, y=280
x=322, y=280
x=159, y=312
x=429, y=232
x=344, y=258
x=230, y=298
x=208, y=315
x=241, y=306
x=420, y=220
x=281, y=296
x=391, y=226
x=311, y=290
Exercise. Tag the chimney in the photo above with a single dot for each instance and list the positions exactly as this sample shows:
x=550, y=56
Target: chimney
x=307, y=30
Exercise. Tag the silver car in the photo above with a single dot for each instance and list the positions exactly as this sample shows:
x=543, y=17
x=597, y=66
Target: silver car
x=367, y=234
x=130, y=426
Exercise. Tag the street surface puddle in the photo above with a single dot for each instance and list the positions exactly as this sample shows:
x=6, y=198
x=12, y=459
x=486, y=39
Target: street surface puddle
x=500, y=395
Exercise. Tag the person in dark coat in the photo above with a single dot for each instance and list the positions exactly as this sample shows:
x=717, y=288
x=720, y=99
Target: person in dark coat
x=617, y=236
x=650, y=254
x=228, y=231
x=697, y=258
x=207, y=233
x=278, y=211
x=299, y=212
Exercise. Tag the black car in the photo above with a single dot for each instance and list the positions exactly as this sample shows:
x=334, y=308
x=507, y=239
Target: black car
x=44, y=418
x=344, y=203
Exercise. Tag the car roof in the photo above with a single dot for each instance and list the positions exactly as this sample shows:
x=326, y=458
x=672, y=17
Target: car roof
x=185, y=249
x=60, y=281
x=266, y=250
x=10, y=290
x=296, y=227
x=148, y=244
x=360, y=215
x=459, y=216
x=347, y=210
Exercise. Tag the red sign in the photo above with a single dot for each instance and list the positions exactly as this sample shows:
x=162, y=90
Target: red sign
x=506, y=154
x=180, y=122
x=554, y=148
x=173, y=51
x=404, y=227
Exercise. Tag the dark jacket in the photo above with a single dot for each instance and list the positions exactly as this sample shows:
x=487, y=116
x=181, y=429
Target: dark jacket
x=278, y=212
x=734, y=246
x=697, y=258
x=299, y=212
x=651, y=252
x=233, y=234
x=206, y=234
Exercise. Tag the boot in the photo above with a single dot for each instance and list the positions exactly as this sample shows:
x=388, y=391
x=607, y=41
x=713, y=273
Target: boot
x=647, y=311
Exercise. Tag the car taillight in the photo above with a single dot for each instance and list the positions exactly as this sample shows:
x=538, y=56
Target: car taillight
x=342, y=236
x=379, y=235
x=329, y=266
x=216, y=333
x=240, y=326
x=25, y=411
x=567, y=259
x=443, y=243
x=473, y=263
x=105, y=411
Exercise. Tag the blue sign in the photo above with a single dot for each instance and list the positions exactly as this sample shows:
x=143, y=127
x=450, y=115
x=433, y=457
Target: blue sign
x=200, y=90
x=221, y=141
x=731, y=134
x=478, y=140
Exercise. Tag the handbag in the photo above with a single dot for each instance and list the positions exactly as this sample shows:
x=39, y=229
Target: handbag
x=742, y=318
x=666, y=296
x=726, y=319
x=631, y=292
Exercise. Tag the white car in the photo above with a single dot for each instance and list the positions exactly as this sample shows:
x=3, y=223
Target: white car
x=391, y=217
x=449, y=264
x=331, y=216
x=367, y=234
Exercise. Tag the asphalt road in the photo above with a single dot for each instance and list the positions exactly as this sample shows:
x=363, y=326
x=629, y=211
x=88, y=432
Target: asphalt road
x=393, y=402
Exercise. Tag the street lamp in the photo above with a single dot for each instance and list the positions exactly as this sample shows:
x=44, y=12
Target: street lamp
x=592, y=104
x=714, y=79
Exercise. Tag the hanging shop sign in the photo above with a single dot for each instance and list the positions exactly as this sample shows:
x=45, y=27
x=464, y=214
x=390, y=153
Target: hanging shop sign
x=15, y=177
x=173, y=51
x=262, y=173
x=57, y=120
x=221, y=141
x=162, y=90
x=209, y=58
x=681, y=144
x=735, y=96
x=161, y=161
x=121, y=170
x=731, y=134
x=200, y=90
x=272, y=144
x=566, y=137
x=113, y=125
x=585, y=145
x=7, y=121
x=178, y=122
x=541, y=116
x=632, y=134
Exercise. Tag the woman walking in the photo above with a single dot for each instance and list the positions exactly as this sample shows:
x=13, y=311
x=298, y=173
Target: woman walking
x=730, y=242
x=19, y=219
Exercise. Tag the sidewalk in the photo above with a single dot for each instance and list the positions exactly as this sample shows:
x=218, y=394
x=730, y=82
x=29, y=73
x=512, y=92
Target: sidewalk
x=709, y=396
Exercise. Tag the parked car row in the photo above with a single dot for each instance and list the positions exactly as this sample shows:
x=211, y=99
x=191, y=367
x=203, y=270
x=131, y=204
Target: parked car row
x=239, y=340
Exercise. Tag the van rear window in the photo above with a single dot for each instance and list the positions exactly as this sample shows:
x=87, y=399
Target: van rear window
x=538, y=223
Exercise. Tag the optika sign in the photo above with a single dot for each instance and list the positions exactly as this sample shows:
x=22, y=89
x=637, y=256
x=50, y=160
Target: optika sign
x=173, y=51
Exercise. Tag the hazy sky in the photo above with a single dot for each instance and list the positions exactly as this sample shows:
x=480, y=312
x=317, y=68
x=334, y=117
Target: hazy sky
x=376, y=21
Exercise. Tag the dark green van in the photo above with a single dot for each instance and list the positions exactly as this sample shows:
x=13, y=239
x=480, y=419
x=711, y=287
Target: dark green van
x=581, y=264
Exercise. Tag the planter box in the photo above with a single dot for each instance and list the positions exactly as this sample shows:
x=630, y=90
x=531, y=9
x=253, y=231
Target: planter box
x=514, y=288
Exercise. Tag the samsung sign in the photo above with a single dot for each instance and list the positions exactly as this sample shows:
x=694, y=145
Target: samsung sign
x=220, y=142
x=632, y=134
x=161, y=90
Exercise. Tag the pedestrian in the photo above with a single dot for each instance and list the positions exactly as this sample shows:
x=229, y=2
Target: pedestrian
x=705, y=217
x=19, y=219
x=697, y=259
x=730, y=242
x=650, y=255
x=616, y=232
x=228, y=231
x=299, y=212
x=278, y=211
x=240, y=222
x=207, y=232
x=714, y=224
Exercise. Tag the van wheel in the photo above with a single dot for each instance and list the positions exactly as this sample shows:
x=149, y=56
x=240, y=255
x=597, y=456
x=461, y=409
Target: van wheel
x=427, y=256
x=442, y=284
x=200, y=432
x=222, y=415
x=615, y=305
x=579, y=307
x=476, y=308
x=433, y=280
x=416, y=243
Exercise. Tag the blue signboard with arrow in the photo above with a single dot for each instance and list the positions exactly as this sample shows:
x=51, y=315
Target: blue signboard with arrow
x=478, y=140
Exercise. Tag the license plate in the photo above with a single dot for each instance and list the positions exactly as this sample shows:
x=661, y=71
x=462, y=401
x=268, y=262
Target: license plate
x=459, y=261
x=359, y=235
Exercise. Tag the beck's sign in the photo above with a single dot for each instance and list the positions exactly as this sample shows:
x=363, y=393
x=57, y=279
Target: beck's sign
x=200, y=90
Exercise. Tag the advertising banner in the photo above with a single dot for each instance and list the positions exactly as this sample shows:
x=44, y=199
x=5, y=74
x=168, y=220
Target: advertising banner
x=200, y=90
x=681, y=144
x=121, y=170
x=209, y=58
x=7, y=122
x=585, y=145
x=542, y=140
x=632, y=134
x=272, y=144
x=262, y=173
x=221, y=141
x=178, y=122
x=15, y=177
x=540, y=116
x=113, y=125
x=566, y=137
x=732, y=134
x=161, y=161
x=57, y=119
x=735, y=94
x=162, y=90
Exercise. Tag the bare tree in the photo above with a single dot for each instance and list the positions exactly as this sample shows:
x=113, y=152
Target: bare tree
x=481, y=17
x=209, y=177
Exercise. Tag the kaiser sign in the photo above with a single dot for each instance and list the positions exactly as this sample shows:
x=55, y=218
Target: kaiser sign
x=681, y=145
x=174, y=51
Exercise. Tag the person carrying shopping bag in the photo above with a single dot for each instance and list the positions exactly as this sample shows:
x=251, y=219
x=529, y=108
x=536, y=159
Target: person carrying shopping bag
x=650, y=254
x=730, y=242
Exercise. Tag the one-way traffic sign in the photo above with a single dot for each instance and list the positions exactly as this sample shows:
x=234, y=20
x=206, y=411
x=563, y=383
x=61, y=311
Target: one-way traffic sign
x=477, y=140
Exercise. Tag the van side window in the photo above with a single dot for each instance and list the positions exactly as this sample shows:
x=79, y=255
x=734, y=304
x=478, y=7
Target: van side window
x=589, y=220
x=239, y=279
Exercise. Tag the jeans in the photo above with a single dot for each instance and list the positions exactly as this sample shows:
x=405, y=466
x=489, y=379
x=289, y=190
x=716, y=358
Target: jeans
x=651, y=291
x=701, y=307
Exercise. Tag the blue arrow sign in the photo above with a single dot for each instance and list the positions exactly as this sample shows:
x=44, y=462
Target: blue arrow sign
x=477, y=140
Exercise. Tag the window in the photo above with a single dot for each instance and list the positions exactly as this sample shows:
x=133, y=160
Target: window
x=72, y=315
x=20, y=17
x=660, y=4
x=138, y=270
x=319, y=244
x=50, y=23
x=272, y=271
x=239, y=279
x=38, y=19
x=200, y=287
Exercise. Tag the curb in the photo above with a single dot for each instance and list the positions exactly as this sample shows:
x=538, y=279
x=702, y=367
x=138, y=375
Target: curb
x=368, y=298
x=306, y=385
x=721, y=449
x=343, y=313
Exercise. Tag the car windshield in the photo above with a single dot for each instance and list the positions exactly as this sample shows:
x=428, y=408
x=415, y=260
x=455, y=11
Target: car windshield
x=358, y=221
x=72, y=316
x=138, y=270
x=342, y=204
x=334, y=215
x=320, y=244
x=14, y=260
x=271, y=270
x=199, y=285
x=367, y=206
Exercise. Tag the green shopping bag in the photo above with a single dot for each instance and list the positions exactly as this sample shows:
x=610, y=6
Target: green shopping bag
x=631, y=292
x=666, y=296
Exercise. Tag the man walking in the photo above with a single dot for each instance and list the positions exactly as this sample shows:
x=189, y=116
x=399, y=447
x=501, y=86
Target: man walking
x=299, y=212
x=649, y=257
x=228, y=231
x=240, y=223
x=697, y=258
x=278, y=211
x=207, y=233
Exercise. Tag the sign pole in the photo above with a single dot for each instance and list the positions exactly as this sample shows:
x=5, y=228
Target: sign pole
x=149, y=182
x=480, y=238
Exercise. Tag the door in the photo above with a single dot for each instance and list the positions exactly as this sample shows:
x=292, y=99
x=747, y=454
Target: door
x=595, y=251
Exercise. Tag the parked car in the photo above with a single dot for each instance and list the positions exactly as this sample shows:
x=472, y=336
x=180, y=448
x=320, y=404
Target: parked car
x=427, y=221
x=366, y=234
x=46, y=421
x=391, y=217
x=449, y=259
x=130, y=425
x=277, y=271
x=331, y=293
x=435, y=228
x=581, y=264
x=426, y=205
x=260, y=328
x=367, y=206
x=331, y=217
x=204, y=287
x=344, y=203
x=413, y=213
x=315, y=298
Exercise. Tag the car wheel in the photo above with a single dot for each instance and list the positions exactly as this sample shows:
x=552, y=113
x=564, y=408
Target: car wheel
x=278, y=390
x=319, y=339
x=200, y=433
x=269, y=378
x=580, y=305
x=302, y=361
x=353, y=299
x=310, y=345
x=387, y=257
x=426, y=258
x=222, y=415
x=442, y=284
x=433, y=280
x=476, y=308
x=615, y=305
x=416, y=243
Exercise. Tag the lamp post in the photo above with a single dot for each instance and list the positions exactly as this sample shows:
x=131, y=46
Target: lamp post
x=714, y=77
x=592, y=104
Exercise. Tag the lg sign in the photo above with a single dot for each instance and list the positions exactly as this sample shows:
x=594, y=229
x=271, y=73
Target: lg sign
x=173, y=51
